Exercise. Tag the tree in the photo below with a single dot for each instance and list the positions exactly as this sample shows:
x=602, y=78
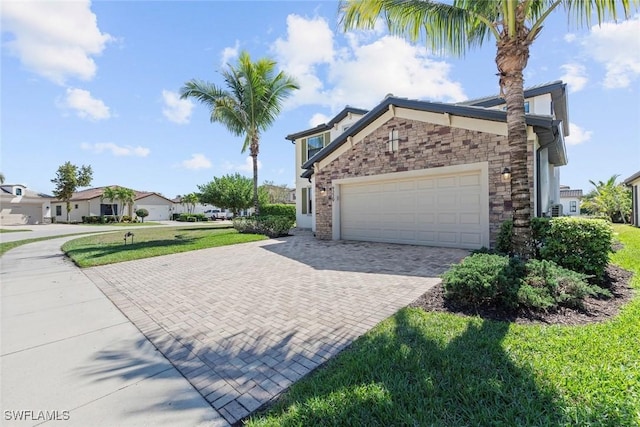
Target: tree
x=276, y=193
x=190, y=201
x=248, y=105
x=111, y=194
x=1, y=178
x=228, y=192
x=126, y=196
x=142, y=213
x=514, y=24
x=609, y=199
x=68, y=179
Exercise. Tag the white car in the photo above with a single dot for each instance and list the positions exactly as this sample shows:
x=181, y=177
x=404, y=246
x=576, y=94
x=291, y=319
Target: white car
x=218, y=214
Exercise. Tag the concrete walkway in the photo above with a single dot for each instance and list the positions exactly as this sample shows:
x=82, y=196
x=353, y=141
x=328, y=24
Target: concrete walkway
x=241, y=323
x=66, y=349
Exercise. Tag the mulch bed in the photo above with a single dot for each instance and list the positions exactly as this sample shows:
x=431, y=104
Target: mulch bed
x=617, y=280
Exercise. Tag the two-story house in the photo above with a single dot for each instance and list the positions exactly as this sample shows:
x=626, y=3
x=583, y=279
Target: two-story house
x=426, y=173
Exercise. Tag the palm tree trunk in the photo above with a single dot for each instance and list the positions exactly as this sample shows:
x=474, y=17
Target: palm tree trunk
x=254, y=157
x=511, y=58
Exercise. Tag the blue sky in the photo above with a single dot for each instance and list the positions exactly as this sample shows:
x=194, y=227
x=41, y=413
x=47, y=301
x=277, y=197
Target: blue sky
x=96, y=84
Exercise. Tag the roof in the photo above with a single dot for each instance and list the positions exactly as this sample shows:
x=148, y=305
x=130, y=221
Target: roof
x=8, y=189
x=327, y=126
x=632, y=178
x=92, y=193
x=571, y=193
x=546, y=127
x=557, y=89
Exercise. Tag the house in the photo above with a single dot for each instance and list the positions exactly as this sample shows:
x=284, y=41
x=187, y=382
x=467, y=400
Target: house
x=90, y=203
x=199, y=208
x=634, y=182
x=20, y=205
x=280, y=194
x=570, y=201
x=426, y=173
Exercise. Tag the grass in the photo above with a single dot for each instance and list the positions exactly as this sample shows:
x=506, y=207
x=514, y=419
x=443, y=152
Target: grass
x=5, y=230
x=109, y=248
x=122, y=224
x=439, y=369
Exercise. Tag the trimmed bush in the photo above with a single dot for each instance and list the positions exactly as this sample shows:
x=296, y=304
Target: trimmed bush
x=483, y=279
x=581, y=245
x=142, y=213
x=194, y=217
x=539, y=227
x=279, y=209
x=269, y=225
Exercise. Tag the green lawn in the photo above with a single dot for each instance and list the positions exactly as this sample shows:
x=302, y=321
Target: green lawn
x=6, y=230
x=121, y=224
x=419, y=368
x=110, y=248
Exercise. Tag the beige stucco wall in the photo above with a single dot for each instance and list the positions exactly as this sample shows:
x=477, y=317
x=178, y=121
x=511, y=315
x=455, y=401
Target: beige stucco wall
x=422, y=145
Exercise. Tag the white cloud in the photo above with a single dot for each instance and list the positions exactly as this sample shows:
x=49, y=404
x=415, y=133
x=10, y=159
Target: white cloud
x=617, y=47
x=570, y=37
x=175, y=109
x=116, y=150
x=318, y=119
x=575, y=75
x=245, y=168
x=86, y=106
x=361, y=73
x=577, y=135
x=229, y=53
x=56, y=40
x=197, y=161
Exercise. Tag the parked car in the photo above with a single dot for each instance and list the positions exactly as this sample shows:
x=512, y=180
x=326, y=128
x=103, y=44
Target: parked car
x=215, y=214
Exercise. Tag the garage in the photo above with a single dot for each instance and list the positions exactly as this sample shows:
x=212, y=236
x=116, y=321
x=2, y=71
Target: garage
x=444, y=209
x=156, y=212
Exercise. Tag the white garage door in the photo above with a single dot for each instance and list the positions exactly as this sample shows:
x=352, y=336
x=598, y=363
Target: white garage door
x=156, y=212
x=443, y=210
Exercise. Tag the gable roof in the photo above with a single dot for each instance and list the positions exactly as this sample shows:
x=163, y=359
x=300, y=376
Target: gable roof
x=8, y=189
x=557, y=89
x=546, y=127
x=632, y=178
x=92, y=193
x=327, y=126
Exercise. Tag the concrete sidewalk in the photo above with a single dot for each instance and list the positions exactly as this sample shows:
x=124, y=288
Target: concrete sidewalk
x=67, y=353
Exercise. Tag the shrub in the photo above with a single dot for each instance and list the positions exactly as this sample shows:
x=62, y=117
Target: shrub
x=142, y=213
x=503, y=241
x=269, y=225
x=539, y=227
x=483, y=279
x=581, y=245
x=547, y=285
x=191, y=217
x=126, y=218
x=279, y=209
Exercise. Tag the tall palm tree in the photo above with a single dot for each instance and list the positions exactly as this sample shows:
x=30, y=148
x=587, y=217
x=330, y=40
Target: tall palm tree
x=514, y=24
x=248, y=105
x=126, y=196
x=111, y=194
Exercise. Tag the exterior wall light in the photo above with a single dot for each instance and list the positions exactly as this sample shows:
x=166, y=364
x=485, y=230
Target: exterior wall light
x=506, y=175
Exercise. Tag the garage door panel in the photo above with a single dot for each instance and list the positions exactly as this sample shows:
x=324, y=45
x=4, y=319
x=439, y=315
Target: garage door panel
x=441, y=210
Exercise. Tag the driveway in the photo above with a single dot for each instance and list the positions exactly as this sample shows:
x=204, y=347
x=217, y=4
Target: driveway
x=244, y=322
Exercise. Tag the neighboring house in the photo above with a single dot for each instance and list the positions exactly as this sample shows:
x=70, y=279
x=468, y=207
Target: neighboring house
x=570, y=201
x=426, y=173
x=279, y=194
x=90, y=203
x=19, y=205
x=634, y=182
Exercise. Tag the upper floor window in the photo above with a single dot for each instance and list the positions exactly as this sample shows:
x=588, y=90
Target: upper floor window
x=526, y=107
x=573, y=206
x=314, y=144
x=18, y=191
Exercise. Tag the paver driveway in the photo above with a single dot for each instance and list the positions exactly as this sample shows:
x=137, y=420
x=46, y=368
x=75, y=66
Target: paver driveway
x=244, y=322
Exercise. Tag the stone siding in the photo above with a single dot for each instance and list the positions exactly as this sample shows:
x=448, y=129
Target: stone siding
x=421, y=146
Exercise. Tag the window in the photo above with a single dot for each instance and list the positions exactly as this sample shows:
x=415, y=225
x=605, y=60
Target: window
x=306, y=204
x=393, y=140
x=18, y=191
x=573, y=206
x=526, y=107
x=108, y=209
x=76, y=206
x=58, y=210
x=314, y=144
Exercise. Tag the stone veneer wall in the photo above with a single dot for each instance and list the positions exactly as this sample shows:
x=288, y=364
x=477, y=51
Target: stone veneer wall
x=421, y=146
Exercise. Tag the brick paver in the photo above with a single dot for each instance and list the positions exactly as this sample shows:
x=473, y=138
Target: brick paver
x=243, y=322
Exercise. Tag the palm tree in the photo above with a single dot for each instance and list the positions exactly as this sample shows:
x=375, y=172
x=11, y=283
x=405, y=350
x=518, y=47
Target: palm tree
x=514, y=24
x=248, y=105
x=610, y=199
x=189, y=200
x=111, y=194
x=1, y=178
x=126, y=196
